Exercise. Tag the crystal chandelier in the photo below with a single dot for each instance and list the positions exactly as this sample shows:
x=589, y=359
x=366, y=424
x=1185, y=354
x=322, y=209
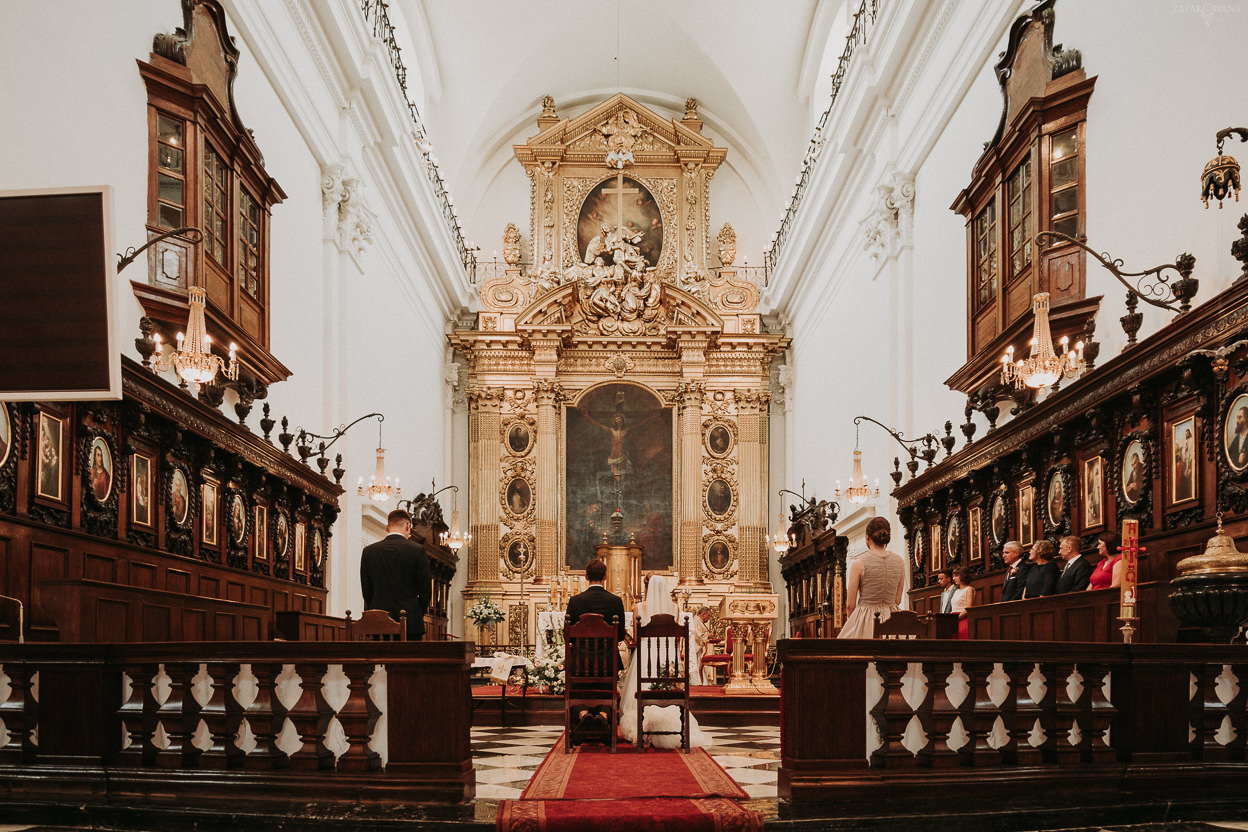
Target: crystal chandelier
x=783, y=541
x=453, y=539
x=858, y=491
x=193, y=358
x=1043, y=367
x=379, y=488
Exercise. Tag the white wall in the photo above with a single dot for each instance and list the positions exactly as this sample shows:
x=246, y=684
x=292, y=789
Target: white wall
x=358, y=335
x=883, y=344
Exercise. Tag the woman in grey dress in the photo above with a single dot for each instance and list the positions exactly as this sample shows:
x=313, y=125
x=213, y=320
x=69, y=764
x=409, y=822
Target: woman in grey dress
x=874, y=583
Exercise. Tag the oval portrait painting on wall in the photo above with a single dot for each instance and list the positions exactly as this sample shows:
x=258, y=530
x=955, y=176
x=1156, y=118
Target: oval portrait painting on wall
x=6, y=433
x=1056, y=500
x=1134, y=472
x=238, y=518
x=719, y=440
x=997, y=519
x=519, y=496
x=1235, y=434
x=281, y=534
x=179, y=497
x=717, y=555
x=518, y=554
x=719, y=497
x=519, y=438
x=101, y=470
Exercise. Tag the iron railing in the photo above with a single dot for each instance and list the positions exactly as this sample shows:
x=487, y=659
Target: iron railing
x=377, y=13
x=864, y=18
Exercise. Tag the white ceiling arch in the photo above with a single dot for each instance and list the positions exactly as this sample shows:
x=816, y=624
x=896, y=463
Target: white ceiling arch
x=741, y=59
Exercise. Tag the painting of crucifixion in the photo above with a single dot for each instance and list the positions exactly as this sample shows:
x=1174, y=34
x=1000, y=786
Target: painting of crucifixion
x=619, y=455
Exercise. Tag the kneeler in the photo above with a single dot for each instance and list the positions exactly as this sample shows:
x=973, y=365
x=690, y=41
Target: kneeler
x=591, y=666
x=663, y=672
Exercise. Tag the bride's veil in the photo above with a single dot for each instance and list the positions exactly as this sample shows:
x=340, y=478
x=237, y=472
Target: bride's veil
x=659, y=599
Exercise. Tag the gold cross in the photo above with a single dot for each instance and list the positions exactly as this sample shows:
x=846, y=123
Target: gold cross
x=619, y=190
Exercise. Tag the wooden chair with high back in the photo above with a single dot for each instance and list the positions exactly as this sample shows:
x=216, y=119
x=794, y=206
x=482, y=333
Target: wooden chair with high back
x=377, y=625
x=591, y=666
x=663, y=672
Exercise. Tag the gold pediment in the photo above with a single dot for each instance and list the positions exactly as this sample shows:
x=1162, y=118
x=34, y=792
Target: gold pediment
x=659, y=140
x=562, y=309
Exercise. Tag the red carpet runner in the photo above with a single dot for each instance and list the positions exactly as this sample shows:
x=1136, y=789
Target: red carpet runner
x=591, y=789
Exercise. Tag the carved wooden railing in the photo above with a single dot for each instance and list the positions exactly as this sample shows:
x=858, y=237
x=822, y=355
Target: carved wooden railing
x=281, y=724
x=877, y=720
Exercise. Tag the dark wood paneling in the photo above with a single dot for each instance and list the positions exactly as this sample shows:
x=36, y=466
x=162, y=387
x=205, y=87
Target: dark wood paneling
x=157, y=622
x=143, y=574
x=100, y=568
x=177, y=580
x=209, y=587
x=235, y=591
x=112, y=620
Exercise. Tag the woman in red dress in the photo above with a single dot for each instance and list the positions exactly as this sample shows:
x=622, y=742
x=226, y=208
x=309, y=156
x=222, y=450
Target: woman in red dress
x=1108, y=573
x=963, y=597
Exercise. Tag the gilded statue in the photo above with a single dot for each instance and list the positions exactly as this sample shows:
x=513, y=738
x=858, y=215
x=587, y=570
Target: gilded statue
x=625, y=295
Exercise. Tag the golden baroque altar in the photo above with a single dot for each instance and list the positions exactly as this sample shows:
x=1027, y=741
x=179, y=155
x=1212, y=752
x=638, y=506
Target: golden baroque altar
x=618, y=386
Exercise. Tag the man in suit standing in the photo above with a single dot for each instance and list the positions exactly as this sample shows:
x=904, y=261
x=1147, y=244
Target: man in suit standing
x=1077, y=571
x=394, y=574
x=945, y=578
x=1015, y=577
x=596, y=599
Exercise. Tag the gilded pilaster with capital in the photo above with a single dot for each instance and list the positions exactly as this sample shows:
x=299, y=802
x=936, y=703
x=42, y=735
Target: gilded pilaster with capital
x=752, y=453
x=688, y=398
x=484, y=424
x=548, y=395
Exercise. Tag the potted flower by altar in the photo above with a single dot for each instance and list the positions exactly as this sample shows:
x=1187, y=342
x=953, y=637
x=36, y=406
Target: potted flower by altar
x=485, y=614
x=548, y=673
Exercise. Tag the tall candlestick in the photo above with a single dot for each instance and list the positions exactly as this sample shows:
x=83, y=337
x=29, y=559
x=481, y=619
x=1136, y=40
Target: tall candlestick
x=1130, y=549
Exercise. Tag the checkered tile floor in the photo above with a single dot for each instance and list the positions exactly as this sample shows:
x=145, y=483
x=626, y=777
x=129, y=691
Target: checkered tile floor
x=505, y=758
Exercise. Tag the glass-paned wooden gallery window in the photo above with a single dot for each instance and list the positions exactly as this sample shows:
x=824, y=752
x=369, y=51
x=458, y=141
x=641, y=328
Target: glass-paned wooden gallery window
x=249, y=247
x=170, y=171
x=206, y=172
x=216, y=206
x=1019, y=190
x=986, y=256
x=1064, y=182
x=1029, y=179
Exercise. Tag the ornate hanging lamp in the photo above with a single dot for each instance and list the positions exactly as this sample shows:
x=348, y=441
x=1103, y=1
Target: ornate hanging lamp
x=858, y=491
x=192, y=358
x=1220, y=177
x=1043, y=367
x=379, y=489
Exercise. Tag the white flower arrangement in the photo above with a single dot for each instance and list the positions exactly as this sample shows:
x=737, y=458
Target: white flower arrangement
x=548, y=673
x=485, y=612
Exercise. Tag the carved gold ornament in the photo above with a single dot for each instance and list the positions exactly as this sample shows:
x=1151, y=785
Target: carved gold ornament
x=516, y=553
x=727, y=239
x=511, y=245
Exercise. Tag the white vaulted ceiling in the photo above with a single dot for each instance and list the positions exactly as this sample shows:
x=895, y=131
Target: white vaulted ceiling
x=484, y=66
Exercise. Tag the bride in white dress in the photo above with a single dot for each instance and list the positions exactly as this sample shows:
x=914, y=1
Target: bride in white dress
x=657, y=717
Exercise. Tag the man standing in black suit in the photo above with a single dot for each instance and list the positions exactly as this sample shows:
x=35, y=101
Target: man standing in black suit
x=1016, y=576
x=394, y=573
x=597, y=599
x=1077, y=571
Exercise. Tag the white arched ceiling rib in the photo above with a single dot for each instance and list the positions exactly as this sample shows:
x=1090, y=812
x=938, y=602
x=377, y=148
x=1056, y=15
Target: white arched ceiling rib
x=413, y=26
x=817, y=45
x=740, y=59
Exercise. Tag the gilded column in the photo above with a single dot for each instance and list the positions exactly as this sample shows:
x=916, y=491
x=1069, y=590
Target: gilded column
x=484, y=428
x=752, y=455
x=688, y=398
x=548, y=395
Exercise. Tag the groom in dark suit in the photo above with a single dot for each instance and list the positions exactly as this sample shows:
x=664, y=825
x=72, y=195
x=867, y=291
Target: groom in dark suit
x=394, y=574
x=596, y=599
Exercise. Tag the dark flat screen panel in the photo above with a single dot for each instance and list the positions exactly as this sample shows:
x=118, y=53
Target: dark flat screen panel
x=56, y=285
